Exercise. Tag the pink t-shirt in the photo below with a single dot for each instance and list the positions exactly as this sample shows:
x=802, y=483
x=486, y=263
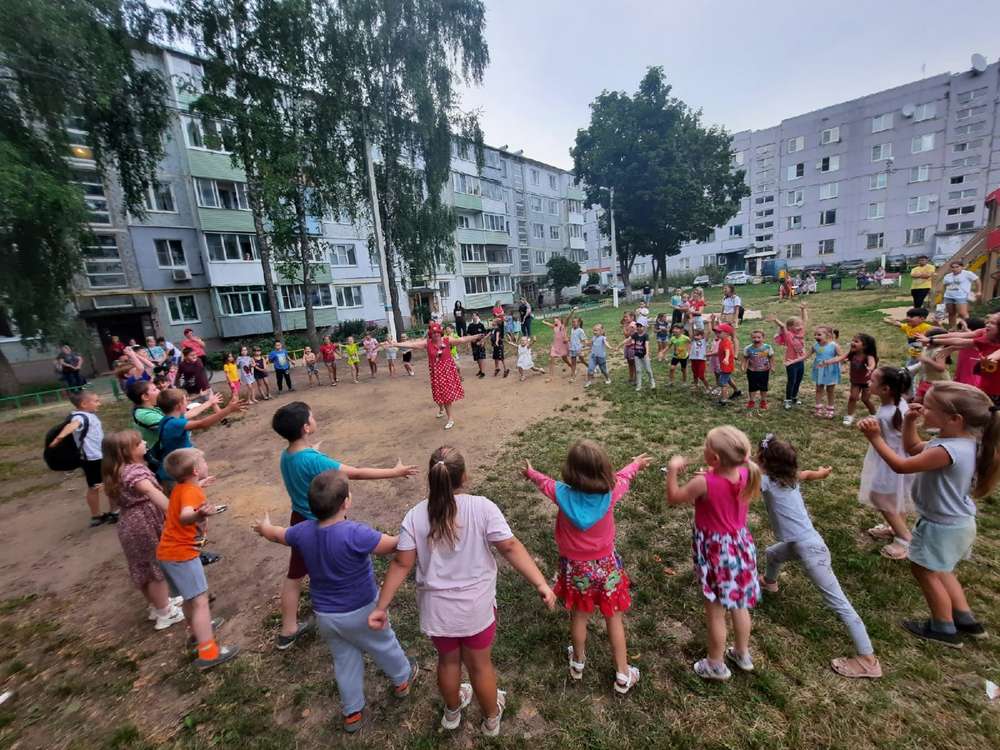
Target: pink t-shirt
x=720, y=509
x=794, y=344
x=456, y=588
x=599, y=540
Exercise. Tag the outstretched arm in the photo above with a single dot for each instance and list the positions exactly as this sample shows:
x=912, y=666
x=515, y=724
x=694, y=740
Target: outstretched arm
x=268, y=530
x=686, y=495
x=400, y=470
x=808, y=475
x=415, y=344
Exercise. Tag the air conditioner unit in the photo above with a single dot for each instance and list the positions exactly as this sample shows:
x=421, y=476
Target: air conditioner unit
x=932, y=199
x=180, y=274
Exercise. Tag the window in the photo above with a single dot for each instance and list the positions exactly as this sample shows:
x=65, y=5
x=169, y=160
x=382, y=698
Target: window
x=553, y=182
x=474, y=253
x=492, y=160
x=222, y=194
x=206, y=135
x=918, y=204
x=976, y=127
x=465, y=184
x=830, y=135
x=925, y=112
x=576, y=231
x=795, y=144
x=182, y=309
x=961, y=225
x=878, y=181
x=170, y=254
x=540, y=257
x=553, y=207
x=795, y=171
x=882, y=122
x=499, y=282
x=554, y=232
x=492, y=190
x=794, y=198
x=535, y=203
x=349, y=296
x=763, y=238
x=829, y=190
x=477, y=284
x=875, y=241
x=826, y=247
x=93, y=196
x=574, y=206
x=103, y=263
x=921, y=173
x=293, y=298
x=736, y=230
x=915, y=236
x=876, y=210
x=967, y=96
x=968, y=161
x=765, y=212
x=829, y=164
x=764, y=199
x=535, y=176
x=957, y=179
x=231, y=247
x=538, y=231
x=495, y=223
x=961, y=210
x=464, y=221
x=159, y=197
x=739, y=158
x=968, y=112
x=922, y=143
x=765, y=163
x=881, y=151
x=794, y=250
x=955, y=195
x=343, y=255
x=763, y=225
x=80, y=145
x=443, y=286
x=242, y=300
x=793, y=222
x=828, y=217
x=966, y=145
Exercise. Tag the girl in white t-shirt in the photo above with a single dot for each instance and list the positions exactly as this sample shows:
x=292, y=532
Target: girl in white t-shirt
x=450, y=539
x=960, y=287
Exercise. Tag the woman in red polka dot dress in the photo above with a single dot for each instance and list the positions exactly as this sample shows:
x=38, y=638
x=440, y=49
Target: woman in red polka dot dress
x=446, y=386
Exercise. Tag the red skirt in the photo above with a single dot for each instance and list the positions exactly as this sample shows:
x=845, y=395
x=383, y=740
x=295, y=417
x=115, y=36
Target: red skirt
x=583, y=584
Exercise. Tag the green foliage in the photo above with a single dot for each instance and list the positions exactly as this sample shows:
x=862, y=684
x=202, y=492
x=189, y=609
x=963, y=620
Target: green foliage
x=593, y=279
x=562, y=272
x=672, y=176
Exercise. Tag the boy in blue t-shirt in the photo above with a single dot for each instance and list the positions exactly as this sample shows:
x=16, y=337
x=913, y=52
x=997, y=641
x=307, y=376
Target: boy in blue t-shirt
x=282, y=362
x=300, y=464
x=337, y=555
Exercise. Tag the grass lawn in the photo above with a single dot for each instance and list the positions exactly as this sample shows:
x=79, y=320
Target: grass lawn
x=930, y=697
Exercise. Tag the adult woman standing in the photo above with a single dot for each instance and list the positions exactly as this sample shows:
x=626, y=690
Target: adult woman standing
x=446, y=385
x=959, y=287
x=921, y=280
x=459, y=313
x=524, y=311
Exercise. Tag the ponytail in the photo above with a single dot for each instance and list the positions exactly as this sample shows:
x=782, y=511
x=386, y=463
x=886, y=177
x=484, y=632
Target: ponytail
x=445, y=474
x=982, y=419
x=988, y=457
x=898, y=380
x=752, y=488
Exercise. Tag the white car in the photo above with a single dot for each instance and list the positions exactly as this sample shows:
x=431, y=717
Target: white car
x=701, y=281
x=737, y=278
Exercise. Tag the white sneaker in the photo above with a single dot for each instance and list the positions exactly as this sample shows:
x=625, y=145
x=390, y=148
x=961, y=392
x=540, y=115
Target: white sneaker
x=587, y=384
x=451, y=719
x=173, y=616
x=652, y=387
x=638, y=388
x=849, y=419
x=449, y=424
x=607, y=381
x=173, y=601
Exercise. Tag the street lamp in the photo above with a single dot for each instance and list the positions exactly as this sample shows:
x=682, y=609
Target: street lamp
x=614, y=238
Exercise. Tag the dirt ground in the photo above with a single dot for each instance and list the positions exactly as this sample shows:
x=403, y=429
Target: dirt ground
x=79, y=577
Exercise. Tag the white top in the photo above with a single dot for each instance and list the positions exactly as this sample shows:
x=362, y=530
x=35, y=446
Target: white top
x=95, y=435
x=699, y=349
x=731, y=305
x=456, y=588
x=959, y=284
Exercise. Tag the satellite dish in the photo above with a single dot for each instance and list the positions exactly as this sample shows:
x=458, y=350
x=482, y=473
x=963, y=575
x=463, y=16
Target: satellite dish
x=978, y=63
x=908, y=110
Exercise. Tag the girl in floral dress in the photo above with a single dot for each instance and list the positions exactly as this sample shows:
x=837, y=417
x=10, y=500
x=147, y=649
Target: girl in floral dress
x=590, y=571
x=446, y=386
x=725, y=558
x=560, y=342
x=141, y=504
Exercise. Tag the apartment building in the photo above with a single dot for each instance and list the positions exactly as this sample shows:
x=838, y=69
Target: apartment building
x=901, y=171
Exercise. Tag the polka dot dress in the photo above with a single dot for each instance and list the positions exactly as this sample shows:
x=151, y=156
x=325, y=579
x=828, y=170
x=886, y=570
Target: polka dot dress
x=446, y=387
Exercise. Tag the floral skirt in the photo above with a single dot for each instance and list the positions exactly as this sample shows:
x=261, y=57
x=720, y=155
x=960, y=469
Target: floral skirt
x=583, y=584
x=726, y=567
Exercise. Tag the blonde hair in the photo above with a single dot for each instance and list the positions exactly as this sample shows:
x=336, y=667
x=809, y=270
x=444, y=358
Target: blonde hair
x=793, y=322
x=180, y=463
x=116, y=450
x=732, y=447
x=588, y=468
x=982, y=420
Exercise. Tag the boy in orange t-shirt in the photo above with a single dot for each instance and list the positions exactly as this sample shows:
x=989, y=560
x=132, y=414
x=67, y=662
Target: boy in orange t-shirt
x=178, y=556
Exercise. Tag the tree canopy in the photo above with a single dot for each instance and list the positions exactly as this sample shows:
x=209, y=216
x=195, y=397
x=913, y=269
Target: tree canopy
x=673, y=177
x=562, y=272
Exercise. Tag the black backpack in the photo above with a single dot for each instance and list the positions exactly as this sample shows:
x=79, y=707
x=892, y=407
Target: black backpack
x=67, y=455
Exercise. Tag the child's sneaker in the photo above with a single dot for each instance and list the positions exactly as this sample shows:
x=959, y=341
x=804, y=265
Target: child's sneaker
x=172, y=617
x=173, y=601
x=971, y=629
x=625, y=682
x=763, y=405
x=923, y=629
x=491, y=726
x=708, y=671
x=450, y=719
x=225, y=654
x=283, y=642
x=585, y=385
x=750, y=404
x=848, y=420
x=742, y=661
x=403, y=690
x=607, y=381
x=789, y=403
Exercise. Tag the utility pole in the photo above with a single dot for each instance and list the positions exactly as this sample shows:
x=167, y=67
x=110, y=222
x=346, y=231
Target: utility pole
x=614, y=240
x=379, y=241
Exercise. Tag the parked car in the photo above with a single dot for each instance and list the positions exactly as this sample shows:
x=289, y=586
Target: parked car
x=819, y=270
x=849, y=267
x=593, y=289
x=703, y=280
x=940, y=259
x=737, y=278
x=895, y=263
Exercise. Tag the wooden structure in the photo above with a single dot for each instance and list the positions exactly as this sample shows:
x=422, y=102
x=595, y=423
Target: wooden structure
x=981, y=254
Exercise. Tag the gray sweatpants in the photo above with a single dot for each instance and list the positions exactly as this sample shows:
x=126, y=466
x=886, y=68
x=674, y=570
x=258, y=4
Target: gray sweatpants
x=349, y=638
x=815, y=558
x=643, y=363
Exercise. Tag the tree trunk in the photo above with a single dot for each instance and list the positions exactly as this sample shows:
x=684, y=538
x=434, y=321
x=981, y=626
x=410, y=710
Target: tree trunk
x=624, y=269
x=300, y=219
x=9, y=385
x=263, y=245
x=390, y=272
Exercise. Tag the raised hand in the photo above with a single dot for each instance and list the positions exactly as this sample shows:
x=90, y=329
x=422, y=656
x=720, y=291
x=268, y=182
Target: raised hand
x=869, y=427
x=677, y=464
x=527, y=467
x=405, y=470
x=643, y=459
x=260, y=523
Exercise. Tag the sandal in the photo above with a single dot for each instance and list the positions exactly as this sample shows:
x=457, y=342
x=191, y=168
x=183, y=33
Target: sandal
x=742, y=661
x=855, y=668
x=452, y=718
x=625, y=682
x=491, y=725
x=882, y=531
x=820, y=411
x=768, y=585
x=895, y=550
x=708, y=671
x=575, y=667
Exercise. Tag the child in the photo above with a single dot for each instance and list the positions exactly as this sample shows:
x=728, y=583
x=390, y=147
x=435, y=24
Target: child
x=328, y=353
x=312, y=368
x=628, y=328
x=560, y=342
x=525, y=360
x=696, y=305
x=791, y=335
x=477, y=328
x=662, y=330
x=370, y=344
x=131, y=486
x=758, y=359
x=300, y=463
x=260, y=374
x=882, y=488
x=508, y=323
x=916, y=325
x=496, y=343
x=862, y=359
x=448, y=537
x=391, y=354
x=933, y=364
x=967, y=365
x=590, y=570
x=353, y=352
x=407, y=357
x=337, y=555
x=685, y=309
x=799, y=540
x=698, y=357
x=245, y=365
x=232, y=374
x=676, y=307
x=725, y=558
x=449, y=333
x=640, y=354
x=88, y=433
x=713, y=360
x=826, y=369
x=176, y=425
x=177, y=552
x=282, y=363
x=963, y=460
x=727, y=361
x=577, y=338
x=986, y=343
x=598, y=356
x=680, y=345
x=731, y=304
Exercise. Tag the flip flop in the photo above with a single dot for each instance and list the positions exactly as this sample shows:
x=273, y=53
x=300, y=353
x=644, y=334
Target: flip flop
x=854, y=668
x=895, y=551
x=882, y=531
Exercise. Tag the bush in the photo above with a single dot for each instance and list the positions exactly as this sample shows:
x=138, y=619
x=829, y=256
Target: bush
x=593, y=279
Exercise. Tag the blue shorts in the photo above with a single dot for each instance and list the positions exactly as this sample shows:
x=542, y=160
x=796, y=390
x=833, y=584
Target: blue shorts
x=186, y=579
x=725, y=378
x=956, y=300
x=940, y=548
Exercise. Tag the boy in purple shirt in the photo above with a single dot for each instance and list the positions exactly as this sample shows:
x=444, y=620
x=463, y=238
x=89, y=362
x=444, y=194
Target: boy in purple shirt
x=337, y=555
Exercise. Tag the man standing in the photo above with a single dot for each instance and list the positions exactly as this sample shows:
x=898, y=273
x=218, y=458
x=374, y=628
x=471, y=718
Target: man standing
x=921, y=280
x=524, y=311
x=647, y=294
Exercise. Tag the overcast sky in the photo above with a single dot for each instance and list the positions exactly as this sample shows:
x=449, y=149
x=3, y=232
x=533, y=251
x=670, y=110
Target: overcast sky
x=746, y=64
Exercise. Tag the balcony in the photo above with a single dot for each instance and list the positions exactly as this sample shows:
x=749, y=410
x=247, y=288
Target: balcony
x=469, y=202
x=575, y=193
x=225, y=220
x=577, y=243
x=481, y=237
x=574, y=218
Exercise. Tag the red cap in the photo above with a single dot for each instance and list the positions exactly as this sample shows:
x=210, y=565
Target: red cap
x=725, y=328
x=433, y=328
